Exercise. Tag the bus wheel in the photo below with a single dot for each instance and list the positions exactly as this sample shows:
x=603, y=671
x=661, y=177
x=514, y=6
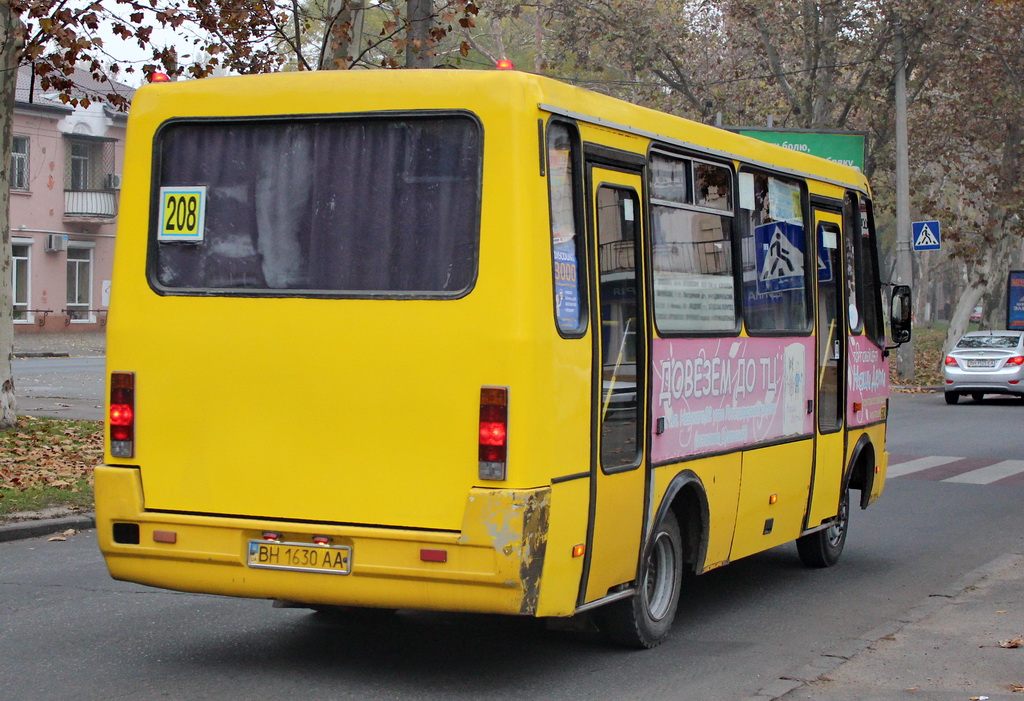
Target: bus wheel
x=644, y=619
x=823, y=548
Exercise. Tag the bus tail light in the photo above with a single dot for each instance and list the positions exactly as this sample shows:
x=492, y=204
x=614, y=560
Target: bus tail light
x=493, y=452
x=121, y=419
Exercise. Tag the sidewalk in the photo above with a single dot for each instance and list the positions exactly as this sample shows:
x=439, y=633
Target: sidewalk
x=88, y=344
x=947, y=648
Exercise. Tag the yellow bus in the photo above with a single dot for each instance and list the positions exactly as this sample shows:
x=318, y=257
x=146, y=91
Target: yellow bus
x=479, y=341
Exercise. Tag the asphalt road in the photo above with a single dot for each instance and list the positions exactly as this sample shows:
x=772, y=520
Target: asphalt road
x=67, y=631
x=70, y=388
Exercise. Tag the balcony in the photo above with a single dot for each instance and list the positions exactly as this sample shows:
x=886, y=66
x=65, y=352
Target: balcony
x=90, y=205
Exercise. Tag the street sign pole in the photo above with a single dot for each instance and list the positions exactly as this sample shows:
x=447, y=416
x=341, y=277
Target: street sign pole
x=904, y=261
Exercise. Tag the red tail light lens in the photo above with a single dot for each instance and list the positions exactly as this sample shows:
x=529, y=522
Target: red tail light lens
x=950, y=360
x=121, y=418
x=493, y=434
x=1016, y=360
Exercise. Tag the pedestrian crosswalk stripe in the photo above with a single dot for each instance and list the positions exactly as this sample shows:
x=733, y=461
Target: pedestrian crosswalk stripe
x=918, y=464
x=970, y=472
x=990, y=474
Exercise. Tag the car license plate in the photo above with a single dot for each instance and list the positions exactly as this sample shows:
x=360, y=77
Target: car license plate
x=302, y=557
x=981, y=364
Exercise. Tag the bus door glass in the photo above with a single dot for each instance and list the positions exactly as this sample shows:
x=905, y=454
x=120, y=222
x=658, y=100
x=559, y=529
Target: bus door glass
x=619, y=379
x=830, y=328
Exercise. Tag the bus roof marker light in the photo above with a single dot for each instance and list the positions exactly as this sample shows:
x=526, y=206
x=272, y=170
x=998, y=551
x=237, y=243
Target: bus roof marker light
x=159, y=78
x=493, y=433
x=505, y=65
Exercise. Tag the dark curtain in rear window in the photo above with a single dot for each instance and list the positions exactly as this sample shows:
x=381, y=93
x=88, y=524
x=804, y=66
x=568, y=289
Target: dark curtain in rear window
x=357, y=206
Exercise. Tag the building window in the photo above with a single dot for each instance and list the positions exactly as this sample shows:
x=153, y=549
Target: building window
x=89, y=160
x=19, y=285
x=79, y=284
x=19, y=163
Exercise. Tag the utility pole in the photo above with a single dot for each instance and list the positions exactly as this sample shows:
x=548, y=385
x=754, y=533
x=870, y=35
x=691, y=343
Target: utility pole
x=904, y=261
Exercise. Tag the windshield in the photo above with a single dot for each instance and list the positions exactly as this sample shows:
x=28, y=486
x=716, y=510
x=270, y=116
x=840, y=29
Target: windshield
x=366, y=206
x=988, y=342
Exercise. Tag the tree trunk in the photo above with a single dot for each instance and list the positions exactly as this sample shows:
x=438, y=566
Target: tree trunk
x=12, y=40
x=342, y=47
x=418, y=52
x=983, y=280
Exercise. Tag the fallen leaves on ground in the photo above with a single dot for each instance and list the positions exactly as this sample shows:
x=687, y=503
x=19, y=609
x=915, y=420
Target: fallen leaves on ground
x=39, y=453
x=1012, y=642
x=928, y=344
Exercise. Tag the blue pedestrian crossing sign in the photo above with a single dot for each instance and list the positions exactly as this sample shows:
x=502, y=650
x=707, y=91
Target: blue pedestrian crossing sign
x=779, y=250
x=926, y=235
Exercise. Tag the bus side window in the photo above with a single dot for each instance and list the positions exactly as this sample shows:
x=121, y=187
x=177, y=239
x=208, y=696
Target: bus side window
x=854, y=293
x=867, y=275
x=691, y=250
x=775, y=257
x=566, y=245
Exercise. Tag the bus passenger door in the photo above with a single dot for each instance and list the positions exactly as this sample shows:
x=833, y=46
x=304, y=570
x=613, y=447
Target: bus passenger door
x=830, y=368
x=618, y=462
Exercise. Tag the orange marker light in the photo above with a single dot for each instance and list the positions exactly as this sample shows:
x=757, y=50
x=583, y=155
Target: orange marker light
x=165, y=537
x=159, y=78
x=578, y=550
x=505, y=65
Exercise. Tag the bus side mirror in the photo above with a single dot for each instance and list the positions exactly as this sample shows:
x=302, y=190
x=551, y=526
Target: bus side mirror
x=899, y=314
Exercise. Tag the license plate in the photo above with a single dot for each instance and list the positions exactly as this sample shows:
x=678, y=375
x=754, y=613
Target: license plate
x=301, y=557
x=981, y=364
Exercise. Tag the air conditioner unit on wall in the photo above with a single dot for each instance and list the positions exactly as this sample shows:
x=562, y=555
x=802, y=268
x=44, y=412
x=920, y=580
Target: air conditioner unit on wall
x=113, y=181
x=56, y=242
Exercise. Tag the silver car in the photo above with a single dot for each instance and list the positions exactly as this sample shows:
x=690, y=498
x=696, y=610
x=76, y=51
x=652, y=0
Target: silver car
x=985, y=362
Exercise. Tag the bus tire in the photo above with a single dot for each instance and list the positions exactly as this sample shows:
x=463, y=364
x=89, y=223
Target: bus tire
x=823, y=548
x=645, y=619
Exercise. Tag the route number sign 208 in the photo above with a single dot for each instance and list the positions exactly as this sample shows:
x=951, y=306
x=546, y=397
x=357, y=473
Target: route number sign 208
x=182, y=213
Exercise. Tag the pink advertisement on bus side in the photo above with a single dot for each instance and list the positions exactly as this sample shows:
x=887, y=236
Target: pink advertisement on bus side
x=867, y=387
x=710, y=395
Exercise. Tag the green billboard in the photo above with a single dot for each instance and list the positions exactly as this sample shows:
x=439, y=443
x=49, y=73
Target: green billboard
x=846, y=147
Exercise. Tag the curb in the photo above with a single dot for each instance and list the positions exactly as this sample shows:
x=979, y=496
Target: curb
x=33, y=529
x=42, y=354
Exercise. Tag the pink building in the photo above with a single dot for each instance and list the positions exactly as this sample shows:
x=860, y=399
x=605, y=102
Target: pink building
x=65, y=185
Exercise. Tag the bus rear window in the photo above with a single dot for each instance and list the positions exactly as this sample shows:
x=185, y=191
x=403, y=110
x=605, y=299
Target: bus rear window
x=337, y=206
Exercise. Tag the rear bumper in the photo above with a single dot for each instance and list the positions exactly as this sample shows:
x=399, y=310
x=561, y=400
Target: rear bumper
x=493, y=565
x=1007, y=380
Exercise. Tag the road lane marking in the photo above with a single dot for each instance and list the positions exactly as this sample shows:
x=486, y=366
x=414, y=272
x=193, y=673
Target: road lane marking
x=992, y=473
x=918, y=464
